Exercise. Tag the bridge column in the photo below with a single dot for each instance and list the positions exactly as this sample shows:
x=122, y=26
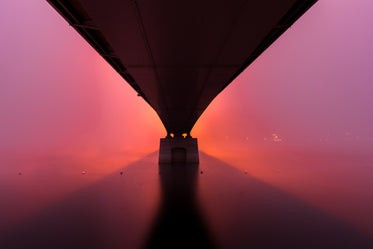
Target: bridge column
x=178, y=149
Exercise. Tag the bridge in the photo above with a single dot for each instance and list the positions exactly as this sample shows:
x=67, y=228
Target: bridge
x=179, y=55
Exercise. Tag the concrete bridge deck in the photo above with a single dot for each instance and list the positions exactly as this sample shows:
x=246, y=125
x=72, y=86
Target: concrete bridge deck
x=179, y=55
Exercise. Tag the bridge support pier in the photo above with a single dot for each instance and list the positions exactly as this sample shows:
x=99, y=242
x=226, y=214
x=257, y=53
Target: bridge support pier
x=178, y=150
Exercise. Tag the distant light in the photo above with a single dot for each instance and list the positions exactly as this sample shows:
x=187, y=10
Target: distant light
x=276, y=138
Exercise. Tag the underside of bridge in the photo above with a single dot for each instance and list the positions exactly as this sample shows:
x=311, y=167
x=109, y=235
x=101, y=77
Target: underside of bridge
x=179, y=55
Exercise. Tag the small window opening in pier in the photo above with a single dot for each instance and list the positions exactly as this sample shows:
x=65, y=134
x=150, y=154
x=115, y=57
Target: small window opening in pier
x=184, y=135
x=172, y=135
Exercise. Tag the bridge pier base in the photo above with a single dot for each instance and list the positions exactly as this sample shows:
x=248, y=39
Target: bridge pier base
x=178, y=150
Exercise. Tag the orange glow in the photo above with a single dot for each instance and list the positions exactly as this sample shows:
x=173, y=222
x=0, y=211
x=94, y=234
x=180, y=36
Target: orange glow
x=288, y=120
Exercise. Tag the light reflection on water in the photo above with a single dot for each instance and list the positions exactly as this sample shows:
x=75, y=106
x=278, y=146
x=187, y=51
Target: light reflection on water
x=335, y=181
x=30, y=183
x=259, y=199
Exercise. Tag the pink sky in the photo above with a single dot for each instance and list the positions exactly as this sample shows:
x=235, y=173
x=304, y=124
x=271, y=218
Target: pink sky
x=311, y=87
x=313, y=83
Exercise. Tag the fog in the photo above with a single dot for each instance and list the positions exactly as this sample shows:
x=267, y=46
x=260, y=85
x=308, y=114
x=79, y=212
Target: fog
x=298, y=120
x=310, y=89
x=58, y=95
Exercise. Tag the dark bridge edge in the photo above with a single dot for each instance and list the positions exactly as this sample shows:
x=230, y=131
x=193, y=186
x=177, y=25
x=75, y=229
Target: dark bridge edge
x=80, y=21
x=296, y=11
x=75, y=15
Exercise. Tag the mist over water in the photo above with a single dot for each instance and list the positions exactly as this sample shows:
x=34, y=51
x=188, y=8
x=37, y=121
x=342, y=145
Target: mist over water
x=298, y=119
x=57, y=94
x=310, y=88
